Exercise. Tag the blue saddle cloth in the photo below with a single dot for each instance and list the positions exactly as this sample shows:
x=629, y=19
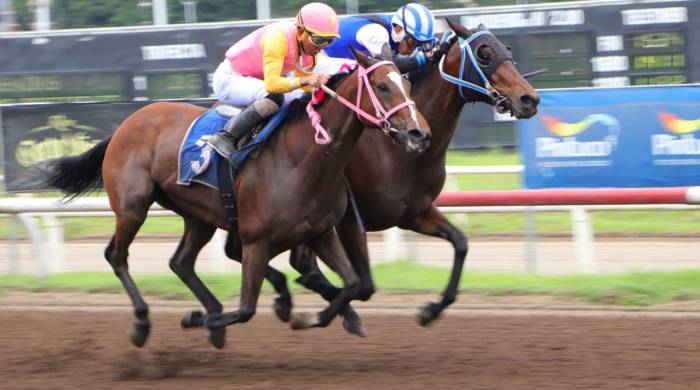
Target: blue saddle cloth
x=198, y=162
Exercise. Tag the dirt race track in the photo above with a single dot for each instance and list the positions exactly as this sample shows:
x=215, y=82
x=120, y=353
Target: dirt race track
x=472, y=347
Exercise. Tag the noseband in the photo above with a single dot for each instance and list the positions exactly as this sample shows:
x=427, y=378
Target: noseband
x=500, y=102
x=381, y=117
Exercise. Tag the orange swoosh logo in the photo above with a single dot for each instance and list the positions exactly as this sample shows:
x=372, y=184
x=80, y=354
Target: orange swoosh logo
x=563, y=129
x=675, y=125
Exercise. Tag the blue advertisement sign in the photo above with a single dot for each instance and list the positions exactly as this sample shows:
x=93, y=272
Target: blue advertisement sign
x=625, y=137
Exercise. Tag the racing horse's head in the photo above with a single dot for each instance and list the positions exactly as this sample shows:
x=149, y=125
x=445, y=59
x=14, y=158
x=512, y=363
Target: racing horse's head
x=388, y=94
x=483, y=69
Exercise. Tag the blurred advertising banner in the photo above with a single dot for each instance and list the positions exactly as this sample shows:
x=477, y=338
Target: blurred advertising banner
x=36, y=133
x=628, y=137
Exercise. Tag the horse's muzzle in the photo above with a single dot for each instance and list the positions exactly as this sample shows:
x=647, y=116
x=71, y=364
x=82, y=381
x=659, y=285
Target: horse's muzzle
x=525, y=106
x=417, y=140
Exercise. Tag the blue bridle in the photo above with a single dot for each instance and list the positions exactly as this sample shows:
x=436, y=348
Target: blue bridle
x=466, y=52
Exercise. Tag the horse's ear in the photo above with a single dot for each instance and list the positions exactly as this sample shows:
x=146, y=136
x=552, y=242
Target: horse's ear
x=460, y=30
x=361, y=58
x=386, y=54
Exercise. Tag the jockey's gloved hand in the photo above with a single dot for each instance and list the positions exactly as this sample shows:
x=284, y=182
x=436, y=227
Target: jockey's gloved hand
x=439, y=50
x=430, y=55
x=315, y=80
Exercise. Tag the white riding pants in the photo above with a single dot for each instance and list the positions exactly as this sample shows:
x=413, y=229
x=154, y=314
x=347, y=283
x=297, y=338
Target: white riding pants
x=242, y=91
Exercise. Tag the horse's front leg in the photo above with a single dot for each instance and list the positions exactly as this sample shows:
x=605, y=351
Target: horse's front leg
x=303, y=259
x=434, y=223
x=329, y=248
x=354, y=239
x=283, y=303
x=255, y=259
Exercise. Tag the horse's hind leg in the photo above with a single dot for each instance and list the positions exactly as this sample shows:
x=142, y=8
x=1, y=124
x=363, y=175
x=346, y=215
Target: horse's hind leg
x=435, y=224
x=330, y=250
x=196, y=235
x=283, y=303
x=130, y=217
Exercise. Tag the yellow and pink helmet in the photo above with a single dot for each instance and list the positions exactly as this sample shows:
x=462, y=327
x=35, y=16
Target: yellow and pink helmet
x=319, y=19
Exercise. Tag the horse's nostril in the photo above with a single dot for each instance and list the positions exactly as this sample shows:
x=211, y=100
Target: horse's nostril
x=415, y=134
x=530, y=100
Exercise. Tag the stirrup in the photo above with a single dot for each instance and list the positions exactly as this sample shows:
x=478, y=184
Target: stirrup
x=223, y=144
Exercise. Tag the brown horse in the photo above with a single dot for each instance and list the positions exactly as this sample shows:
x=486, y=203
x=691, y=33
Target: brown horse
x=292, y=192
x=398, y=189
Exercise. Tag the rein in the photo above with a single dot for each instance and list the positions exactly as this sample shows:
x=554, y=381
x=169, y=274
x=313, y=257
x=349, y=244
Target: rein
x=381, y=117
x=498, y=100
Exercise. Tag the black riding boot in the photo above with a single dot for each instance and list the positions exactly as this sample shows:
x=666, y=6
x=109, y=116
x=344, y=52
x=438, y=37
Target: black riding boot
x=224, y=142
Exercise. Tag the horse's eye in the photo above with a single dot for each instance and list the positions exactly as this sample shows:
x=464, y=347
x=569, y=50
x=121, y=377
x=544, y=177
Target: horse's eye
x=384, y=87
x=482, y=56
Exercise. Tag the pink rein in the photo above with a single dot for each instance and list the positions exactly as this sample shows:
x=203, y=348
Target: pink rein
x=381, y=118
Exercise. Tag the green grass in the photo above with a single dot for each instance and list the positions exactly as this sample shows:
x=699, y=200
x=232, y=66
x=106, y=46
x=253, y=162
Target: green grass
x=632, y=289
x=483, y=182
x=501, y=181
x=489, y=157
x=604, y=222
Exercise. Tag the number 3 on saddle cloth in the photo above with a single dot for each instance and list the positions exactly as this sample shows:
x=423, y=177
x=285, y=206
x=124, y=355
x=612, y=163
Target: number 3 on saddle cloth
x=198, y=162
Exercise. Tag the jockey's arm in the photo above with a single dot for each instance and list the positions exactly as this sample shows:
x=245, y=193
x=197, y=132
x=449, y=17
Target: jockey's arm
x=409, y=62
x=375, y=39
x=372, y=37
x=274, y=45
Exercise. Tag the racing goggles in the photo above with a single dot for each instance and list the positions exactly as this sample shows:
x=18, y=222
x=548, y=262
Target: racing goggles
x=318, y=40
x=424, y=46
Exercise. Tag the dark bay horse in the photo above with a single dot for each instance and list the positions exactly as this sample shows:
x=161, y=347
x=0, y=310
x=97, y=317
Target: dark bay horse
x=292, y=192
x=398, y=189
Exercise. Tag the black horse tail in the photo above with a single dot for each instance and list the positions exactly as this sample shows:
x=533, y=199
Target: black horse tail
x=78, y=175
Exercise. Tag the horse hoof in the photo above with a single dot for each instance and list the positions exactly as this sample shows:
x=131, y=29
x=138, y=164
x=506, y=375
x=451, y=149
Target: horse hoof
x=283, y=309
x=429, y=313
x=217, y=337
x=139, y=334
x=302, y=321
x=193, y=319
x=355, y=326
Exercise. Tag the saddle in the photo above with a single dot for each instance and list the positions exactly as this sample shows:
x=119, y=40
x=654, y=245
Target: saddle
x=226, y=171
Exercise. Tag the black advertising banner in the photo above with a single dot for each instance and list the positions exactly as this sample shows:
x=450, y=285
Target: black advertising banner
x=33, y=134
x=139, y=50
x=113, y=65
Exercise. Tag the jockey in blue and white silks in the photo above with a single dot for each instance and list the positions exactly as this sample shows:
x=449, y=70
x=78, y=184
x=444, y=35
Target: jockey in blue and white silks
x=408, y=34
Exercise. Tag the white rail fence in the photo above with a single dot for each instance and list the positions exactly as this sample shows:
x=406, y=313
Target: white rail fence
x=40, y=219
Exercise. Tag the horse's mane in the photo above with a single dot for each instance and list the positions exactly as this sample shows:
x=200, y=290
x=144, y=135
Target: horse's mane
x=336, y=78
x=297, y=109
x=417, y=76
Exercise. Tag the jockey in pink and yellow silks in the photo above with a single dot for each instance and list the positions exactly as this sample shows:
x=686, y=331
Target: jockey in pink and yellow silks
x=271, y=67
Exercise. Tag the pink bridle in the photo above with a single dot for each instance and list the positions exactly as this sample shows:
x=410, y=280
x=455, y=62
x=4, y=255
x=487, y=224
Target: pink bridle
x=381, y=118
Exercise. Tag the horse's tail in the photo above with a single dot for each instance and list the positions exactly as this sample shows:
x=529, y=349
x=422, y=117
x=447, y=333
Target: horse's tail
x=78, y=175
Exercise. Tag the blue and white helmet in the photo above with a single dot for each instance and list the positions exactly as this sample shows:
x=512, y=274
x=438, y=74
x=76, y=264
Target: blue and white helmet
x=417, y=21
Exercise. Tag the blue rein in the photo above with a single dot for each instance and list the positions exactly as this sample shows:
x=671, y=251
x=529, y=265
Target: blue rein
x=466, y=53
